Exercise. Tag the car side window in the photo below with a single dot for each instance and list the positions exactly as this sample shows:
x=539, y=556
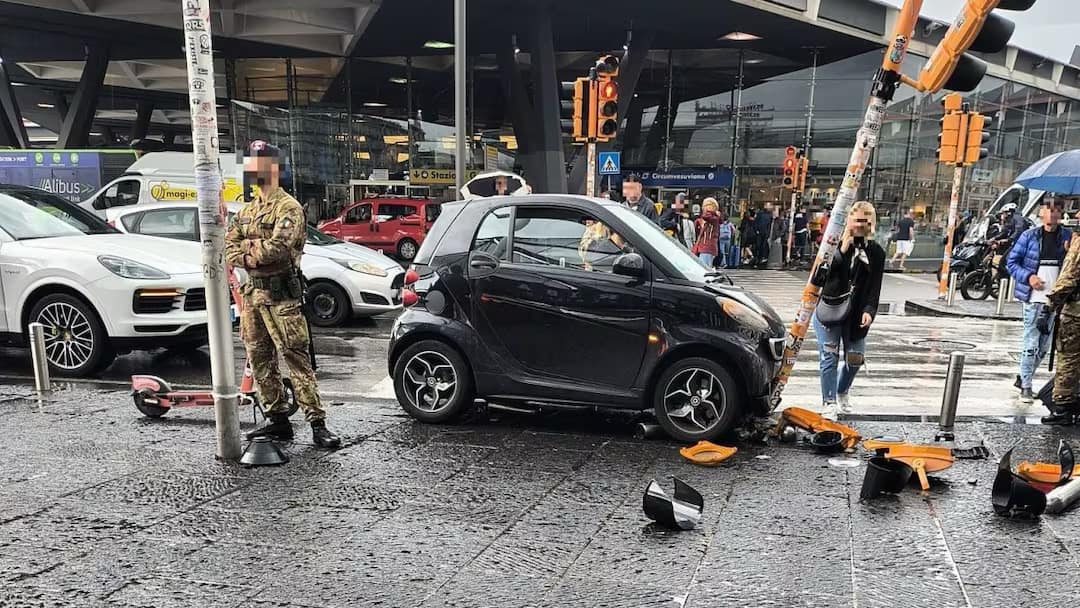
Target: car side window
x=393, y=211
x=566, y=238
x=432, y=211
x=130, y=221
x=169, y=223
x=491, y=236
x=358, y=214
x=120, y=194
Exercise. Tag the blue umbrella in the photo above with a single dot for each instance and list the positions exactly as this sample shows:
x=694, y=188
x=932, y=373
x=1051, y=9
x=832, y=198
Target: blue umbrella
x=1058, y=173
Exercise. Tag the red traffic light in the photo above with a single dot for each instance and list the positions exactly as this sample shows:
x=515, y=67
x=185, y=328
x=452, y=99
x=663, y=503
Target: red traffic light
x=608, y=90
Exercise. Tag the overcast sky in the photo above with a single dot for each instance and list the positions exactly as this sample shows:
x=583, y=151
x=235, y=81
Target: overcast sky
x=1050, y=28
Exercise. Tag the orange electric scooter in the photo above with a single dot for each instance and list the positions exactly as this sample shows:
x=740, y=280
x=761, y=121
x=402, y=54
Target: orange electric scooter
x=154, y=397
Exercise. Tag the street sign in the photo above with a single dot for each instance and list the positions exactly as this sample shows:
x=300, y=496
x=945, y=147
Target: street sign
x=609, y=163
x=982, y=176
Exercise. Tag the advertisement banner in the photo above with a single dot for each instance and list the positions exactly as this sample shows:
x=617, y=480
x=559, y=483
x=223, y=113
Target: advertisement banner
x=719, y=177
x=74, y=176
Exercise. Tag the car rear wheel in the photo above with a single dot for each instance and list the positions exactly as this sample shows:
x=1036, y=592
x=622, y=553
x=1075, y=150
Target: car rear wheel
x=329, y=304
x=75, y=340
x=696, y=399
x=432, y=382
x=406, y=249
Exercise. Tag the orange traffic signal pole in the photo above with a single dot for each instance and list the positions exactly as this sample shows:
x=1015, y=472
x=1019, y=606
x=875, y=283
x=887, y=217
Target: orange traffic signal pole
x=881, y=93
x=955, y=106
x=590, y=143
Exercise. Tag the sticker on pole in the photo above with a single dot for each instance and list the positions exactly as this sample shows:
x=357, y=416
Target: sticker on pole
x=609, y=163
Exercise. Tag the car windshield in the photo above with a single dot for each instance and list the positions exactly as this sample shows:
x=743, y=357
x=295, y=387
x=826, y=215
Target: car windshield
x=27, y=214
x=645, y=230
x=317, y=237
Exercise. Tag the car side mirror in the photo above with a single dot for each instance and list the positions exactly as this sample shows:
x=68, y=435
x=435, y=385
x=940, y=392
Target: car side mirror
x=629, y=265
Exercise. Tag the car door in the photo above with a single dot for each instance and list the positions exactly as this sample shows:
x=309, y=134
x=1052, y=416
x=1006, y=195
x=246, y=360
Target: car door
x=390, y=220
x=356, y=226
x=547, y=295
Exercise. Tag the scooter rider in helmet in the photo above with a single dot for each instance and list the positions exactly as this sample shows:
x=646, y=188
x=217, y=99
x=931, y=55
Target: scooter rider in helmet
x=266, y=238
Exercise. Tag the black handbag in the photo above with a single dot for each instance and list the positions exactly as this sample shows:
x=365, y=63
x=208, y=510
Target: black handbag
x=835, y=312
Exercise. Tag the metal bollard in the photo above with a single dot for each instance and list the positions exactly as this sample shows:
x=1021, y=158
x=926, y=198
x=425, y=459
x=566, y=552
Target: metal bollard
x=1003, y=289
x=952, y=394
x=951, y=294
x=42, y=383
x=1012, y=289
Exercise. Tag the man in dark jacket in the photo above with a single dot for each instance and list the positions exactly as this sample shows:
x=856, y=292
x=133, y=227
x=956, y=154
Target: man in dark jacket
x=670, y=216
x=1035, y=263
x=763, y=228
x=636, y=200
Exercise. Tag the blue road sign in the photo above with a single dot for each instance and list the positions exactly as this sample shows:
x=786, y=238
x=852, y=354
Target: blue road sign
x=608, y=163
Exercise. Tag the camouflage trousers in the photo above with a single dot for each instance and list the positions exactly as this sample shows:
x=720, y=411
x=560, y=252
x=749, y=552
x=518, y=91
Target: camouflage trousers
x=1067, y=359
x=269, y=330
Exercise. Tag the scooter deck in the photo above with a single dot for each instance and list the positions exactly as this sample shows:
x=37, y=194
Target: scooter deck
x=815, y=422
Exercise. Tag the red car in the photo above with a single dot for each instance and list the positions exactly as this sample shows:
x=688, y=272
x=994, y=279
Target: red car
x=392, y=225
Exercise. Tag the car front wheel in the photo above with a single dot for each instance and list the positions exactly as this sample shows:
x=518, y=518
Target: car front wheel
x=432, y=382
x=75, y=340
x=406, y=249
x=329, y=304
x=696, y=399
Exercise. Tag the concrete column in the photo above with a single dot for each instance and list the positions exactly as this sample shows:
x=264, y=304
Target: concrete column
x=549, y=147
x=144, y=109
x=75, y=133
x=12, y=130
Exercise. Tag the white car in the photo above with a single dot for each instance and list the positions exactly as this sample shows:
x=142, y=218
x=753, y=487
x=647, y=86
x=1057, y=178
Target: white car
x=344, y=279
x=97, y=292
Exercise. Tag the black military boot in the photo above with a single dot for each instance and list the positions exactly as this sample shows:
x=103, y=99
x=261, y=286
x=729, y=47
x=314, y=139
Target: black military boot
x=1062, y=414
x=278, y=427
x=322, y=436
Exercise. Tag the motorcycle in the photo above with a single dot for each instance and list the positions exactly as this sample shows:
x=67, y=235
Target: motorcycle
x=966, y=257
x=981, y=282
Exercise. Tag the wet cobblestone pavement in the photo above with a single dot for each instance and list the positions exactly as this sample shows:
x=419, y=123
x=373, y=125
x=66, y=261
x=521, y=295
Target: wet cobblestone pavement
x=100, y=507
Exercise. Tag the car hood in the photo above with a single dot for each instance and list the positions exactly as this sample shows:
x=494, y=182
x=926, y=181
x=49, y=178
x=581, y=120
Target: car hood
x=348, y=251
x=167, y=255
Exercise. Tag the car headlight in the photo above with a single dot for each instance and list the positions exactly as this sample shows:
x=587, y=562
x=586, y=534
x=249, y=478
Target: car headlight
x=743, y=314
x=130, y=269
x=362, y=267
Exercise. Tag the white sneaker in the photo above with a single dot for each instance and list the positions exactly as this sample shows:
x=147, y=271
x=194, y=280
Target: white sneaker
x=829, y=410
x=844, y=403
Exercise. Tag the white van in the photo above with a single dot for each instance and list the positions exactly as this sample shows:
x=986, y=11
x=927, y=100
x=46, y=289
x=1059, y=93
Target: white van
x=160, y=177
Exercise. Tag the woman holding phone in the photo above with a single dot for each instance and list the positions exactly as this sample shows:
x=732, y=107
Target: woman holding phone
x=849, y=303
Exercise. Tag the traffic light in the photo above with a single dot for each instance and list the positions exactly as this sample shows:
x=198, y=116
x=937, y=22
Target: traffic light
x=975, y=28
x=574, y=108
x=607, y=65
x=950, y=147
x=790, y=167
x=977, y=138
x=607, y=109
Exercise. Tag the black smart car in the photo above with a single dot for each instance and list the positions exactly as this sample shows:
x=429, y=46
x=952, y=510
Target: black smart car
x=556, y=300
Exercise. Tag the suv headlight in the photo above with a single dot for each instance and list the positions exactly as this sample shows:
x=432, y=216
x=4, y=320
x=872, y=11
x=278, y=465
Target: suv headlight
x=130, y=269
x=362, y=267
x=743, y=314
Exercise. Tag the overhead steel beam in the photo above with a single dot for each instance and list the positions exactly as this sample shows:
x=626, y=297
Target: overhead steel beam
x=520, y=106
x=12, y=129
x=80, y=116
x=551, y=161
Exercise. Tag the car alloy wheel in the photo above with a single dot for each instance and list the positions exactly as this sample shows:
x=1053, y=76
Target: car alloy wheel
x=407, y=249
x=429, y=381
x=695, y=400
x=69, y=337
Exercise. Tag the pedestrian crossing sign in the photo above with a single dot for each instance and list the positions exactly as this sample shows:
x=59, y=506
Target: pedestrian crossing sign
x=609, y=163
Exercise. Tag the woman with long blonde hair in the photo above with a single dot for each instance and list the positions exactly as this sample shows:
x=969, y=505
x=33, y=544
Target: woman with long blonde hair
x=705, y=245
x=849, y=303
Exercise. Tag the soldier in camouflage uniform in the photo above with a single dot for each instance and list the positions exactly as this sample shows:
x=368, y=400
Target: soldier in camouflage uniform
x=1065, y=298
x=266, y=238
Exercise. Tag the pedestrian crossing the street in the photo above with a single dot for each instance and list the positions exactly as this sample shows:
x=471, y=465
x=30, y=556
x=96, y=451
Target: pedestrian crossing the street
x=906, y=359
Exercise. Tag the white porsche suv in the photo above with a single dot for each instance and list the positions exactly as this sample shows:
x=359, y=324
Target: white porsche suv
x=98, y=292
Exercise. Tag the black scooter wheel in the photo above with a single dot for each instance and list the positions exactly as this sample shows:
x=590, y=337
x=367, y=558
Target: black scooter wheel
x=977, y=285
x=145, y=401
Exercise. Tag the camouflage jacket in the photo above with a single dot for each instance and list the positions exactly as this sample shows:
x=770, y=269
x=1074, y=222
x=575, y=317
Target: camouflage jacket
x=266, y=237
x=1061, y=296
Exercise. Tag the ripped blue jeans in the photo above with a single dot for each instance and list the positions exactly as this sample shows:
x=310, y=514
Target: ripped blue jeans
x=1036, y=343
x=837, y=377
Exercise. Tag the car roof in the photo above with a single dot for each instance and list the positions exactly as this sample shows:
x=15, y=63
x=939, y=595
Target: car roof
x=394, y=199
x=530, y=200
x=120, y=211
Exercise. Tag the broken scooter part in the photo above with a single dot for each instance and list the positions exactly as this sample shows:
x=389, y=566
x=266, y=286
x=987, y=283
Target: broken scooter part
x=679, y=512
x=884, y=476
x=707, y=453
x=813, y=422
x=1047, y=476
x=1012, y=495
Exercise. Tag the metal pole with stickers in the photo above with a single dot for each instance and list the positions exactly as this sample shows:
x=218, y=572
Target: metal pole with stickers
x=208, y=186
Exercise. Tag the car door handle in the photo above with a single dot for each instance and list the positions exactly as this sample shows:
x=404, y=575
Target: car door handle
x=483, y=264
